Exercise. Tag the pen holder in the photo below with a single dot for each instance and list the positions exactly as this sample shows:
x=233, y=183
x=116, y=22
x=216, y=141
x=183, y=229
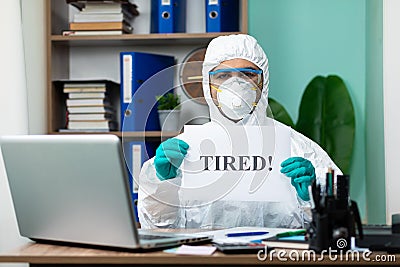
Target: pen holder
x=332, y=228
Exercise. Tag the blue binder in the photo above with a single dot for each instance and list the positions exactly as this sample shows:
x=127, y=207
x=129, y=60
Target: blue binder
x=168, y=16
x=138, y=92
x=136, y=153
x=222, y=15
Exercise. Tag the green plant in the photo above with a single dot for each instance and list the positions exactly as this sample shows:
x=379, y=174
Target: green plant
x=279, y=113
x=168, y=101
x=326, y=115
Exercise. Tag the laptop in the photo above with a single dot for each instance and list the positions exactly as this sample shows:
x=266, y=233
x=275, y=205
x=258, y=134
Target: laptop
x=379, y=237
x=75, y=189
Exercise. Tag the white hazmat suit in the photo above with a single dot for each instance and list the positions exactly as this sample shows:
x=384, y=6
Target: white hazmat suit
x=168, y=213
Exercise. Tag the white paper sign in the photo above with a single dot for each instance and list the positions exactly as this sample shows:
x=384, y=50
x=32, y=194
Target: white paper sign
x=236, y=163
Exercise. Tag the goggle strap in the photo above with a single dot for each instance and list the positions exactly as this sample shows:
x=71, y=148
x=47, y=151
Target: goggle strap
x=235, y=70
x=216, y=89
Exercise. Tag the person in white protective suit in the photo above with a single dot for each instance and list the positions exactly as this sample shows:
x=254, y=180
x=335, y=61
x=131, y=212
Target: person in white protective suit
x=230, y=63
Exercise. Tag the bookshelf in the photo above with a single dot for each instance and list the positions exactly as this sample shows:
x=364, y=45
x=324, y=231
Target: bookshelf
x=65, y=55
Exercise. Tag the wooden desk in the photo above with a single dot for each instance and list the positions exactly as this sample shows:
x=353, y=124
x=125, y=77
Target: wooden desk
x=44, y=254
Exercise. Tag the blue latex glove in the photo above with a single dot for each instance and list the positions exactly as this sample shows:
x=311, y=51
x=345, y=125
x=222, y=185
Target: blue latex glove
x=169, y=156
x=302, y=174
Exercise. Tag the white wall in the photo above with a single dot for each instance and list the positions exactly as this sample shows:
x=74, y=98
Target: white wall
x=34, y=32
x=391, y=82
x=13, y=109
x=22, y=94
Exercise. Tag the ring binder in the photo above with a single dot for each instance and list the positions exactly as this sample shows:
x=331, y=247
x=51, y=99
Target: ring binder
x=222, y=15
x=168, y=16
x=136, y=69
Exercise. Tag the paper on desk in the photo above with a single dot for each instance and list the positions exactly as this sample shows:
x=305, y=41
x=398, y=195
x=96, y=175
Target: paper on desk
x=219, y=236
x=192, y=250
x=236, y=163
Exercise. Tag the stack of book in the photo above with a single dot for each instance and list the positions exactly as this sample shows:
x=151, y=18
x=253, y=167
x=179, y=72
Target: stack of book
x=89, y=107
x=107, y=17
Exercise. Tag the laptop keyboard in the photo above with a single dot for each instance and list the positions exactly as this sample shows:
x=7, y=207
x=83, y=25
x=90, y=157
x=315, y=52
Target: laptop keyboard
x=151, y=237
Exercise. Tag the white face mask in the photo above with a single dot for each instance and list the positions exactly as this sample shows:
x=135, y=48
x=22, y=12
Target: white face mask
x=236, y=98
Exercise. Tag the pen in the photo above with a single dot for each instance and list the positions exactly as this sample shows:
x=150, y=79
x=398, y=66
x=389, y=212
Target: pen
x=292, y=233
x=314, y=195
x=333, y=183
x=245, y=234
x=329, y=181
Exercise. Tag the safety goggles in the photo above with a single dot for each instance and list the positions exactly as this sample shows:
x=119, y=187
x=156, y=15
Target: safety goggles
x=220, y=76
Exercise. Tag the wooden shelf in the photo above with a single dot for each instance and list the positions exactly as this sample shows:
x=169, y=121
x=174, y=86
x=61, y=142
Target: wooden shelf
x=153, y=135
x=139, y=39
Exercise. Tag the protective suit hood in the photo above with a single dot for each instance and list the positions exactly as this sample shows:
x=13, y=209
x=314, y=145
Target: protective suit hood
x=230, y=47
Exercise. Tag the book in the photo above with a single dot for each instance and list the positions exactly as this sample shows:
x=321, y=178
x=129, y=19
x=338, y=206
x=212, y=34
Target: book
x=106, y=5
x=86, y=125
x=87, y=102
x=84, y=130
x=87, y=86
x=90, y=116
x=101, y=7
x=83, y=84
x=89, y=33
x=84, y=89
x=91, y=26
x=78, y=87
x=93, y=109
x=292, y=242
x=101, y=17
x=83, y=95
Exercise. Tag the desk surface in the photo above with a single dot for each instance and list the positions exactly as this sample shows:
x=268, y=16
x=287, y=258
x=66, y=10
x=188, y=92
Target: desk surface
x=37, y=254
